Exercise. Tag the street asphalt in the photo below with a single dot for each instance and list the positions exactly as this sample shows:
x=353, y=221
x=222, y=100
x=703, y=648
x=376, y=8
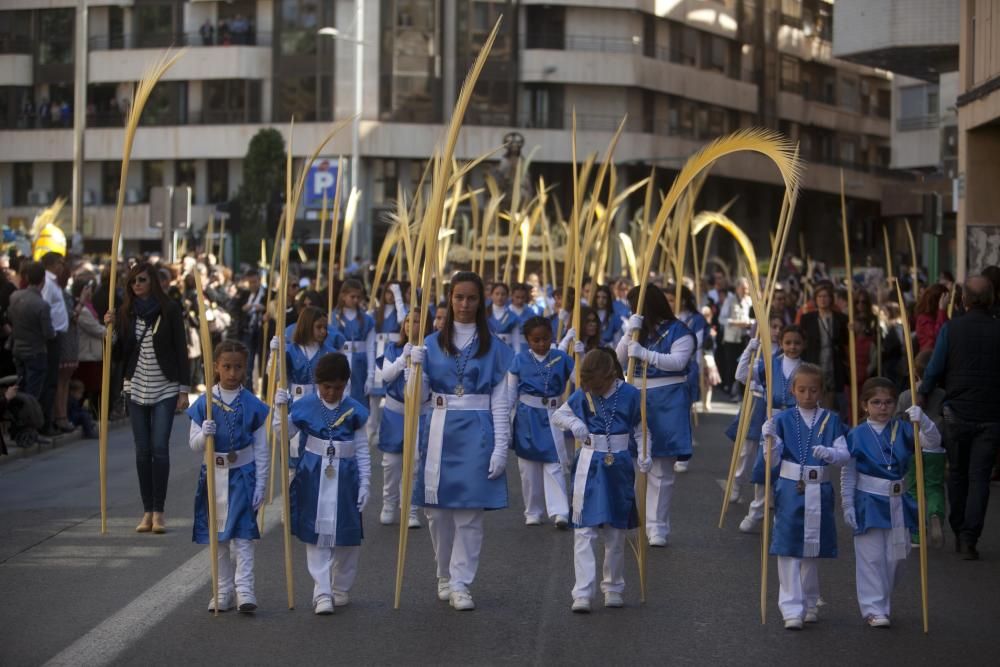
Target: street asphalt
x=72, y=596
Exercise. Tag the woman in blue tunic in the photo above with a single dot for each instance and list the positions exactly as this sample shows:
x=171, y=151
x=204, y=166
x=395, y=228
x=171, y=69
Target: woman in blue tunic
x=693, y=320
x=502, y=320
x=873, y=492
x=461, y=474
x=388, y=320
x=611, y=323
x=536, y=382
x=358, y=329
x=663, y=352
x=605, y=416
x=241, y=469
x=806, y=440
x=330, y=488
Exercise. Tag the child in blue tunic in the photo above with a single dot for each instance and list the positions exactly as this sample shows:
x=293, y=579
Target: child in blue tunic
x=330, y=488
x=806, y=439
x=502, y=320
x=693, y=320
x=604, y=415
x=358, y=329
x=520, y=295
x=388, y=320
x=788, y=355
x=663, y=353
x=536, y=381
x=241, y=469
x=873, y=493
x=393, y=364
x=463, y=445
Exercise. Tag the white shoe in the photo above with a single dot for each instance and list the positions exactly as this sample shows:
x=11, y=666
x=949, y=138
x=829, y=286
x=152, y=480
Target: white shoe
x=812, y=615
x=878, y=621
x=657, y=541
x=341, y=599
x=246, y=603
x=681, y=466
x=323, y=605
x=749, y=525
x=444, y=589
x=227, y=601
x=413, y=521
x=462, y=601
x=561, y=521
x=793, y=624
x=581, y=606
x=613, y=600
x=735, y=496
x=388, y=516
x=533, y=521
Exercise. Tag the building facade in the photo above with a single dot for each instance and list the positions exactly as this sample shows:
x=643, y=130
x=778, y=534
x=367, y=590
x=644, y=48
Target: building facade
x=684, y=72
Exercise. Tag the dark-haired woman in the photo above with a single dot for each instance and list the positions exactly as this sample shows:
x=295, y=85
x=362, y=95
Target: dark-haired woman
x=611, y=323
x=663, y=351
x=689, y=315
x=151, y=342
x=461, y=474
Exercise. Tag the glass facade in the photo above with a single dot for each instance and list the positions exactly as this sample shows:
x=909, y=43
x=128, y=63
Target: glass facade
x=410, y=62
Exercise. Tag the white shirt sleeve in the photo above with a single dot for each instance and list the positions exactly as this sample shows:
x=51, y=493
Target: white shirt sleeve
x=622, y=350
x=501, y=417
x=930, y=436
x=677, y=358
x=261, y=458
x=370, y=353
x=196, y=439
x=840, y=453
x=512, y=392
x=363, y=456
x=848, y=482
x=392, y=369
x=565, y=419
x=276, y=423
x=743, y=367
x=726, y=311
x=400, y=307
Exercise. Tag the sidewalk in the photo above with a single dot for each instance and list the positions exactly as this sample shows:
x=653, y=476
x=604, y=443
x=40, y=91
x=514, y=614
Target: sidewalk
x=15, y=453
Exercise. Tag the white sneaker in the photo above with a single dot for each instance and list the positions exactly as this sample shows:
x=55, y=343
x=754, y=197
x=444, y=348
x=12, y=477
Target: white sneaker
x=878, y=621
x=613, y=600
x=444, y=589
x=246, y=603
x=793, y=624
x=323, y=605
x=413, y=521
x=749, y=525
x=657, y=541
x=227, y=601
x=561, y=521
x=388, y=515
x=812, y=615
x=533, y=521
x=735, y=496
x=341, y=599
x=681, y=466
x=462, y=601
x=581, y=606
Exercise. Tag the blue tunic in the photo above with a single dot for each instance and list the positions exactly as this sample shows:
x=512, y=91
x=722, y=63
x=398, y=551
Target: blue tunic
x=390, y=325
x=872, y=454
x=302, y=369
x=507, y=323
x=247, y=417
x=309, y=416
x=390, y=434
x=789, y=505
x=356, y=332
x=758, y=411
x=609, y=495
x=468, y=434
x=697, y=324
x=668, y=408
x=611, y=326
x=532, y=433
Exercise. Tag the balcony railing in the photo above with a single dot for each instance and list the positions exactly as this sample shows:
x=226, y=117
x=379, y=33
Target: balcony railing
x=159, y=40
x=600, y=43
x=926, y=122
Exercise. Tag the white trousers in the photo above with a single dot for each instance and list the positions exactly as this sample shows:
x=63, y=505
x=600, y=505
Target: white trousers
x=236, y=576
x=798, y=586
x=756, y=510
x=375, y=404
x=745, y=461
x=332, y=568
x=457, y=538
x=392, y=482
x=659, y=490
x=543, y=485
x=585, y=561
x=875, y=571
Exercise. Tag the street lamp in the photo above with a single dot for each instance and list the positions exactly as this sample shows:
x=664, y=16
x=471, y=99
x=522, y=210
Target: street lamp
x=359, y=55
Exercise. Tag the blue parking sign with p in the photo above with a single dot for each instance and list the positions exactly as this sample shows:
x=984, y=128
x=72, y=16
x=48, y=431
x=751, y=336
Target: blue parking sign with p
x=322, y=178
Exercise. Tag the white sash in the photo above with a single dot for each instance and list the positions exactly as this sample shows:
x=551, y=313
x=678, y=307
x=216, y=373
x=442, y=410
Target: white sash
x=380, y=340
x=396, y=406
x=813, y=476
x=221, y=472
x=441, y=404
x=655, y=383
x=549, y=405
x=893, y=489
x=329, y=488
x=600, y=444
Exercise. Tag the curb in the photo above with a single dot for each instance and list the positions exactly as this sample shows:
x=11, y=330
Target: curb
x=15, y=453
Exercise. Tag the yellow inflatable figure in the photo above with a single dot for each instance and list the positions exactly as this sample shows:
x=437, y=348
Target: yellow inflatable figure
x=46, y=235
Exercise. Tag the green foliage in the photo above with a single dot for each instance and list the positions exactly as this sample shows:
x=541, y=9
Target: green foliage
x=263, y=180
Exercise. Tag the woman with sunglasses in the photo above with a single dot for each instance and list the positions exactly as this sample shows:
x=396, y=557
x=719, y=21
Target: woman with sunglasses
x=151, y=341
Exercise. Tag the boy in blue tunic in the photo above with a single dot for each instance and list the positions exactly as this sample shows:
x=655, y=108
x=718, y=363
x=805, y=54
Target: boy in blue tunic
x=805, y=440
x=330, y=488
x=536, y=380
x=358, y=329
x=873, y=493
x=605, y=415
x=502, y=320
x=241, y=470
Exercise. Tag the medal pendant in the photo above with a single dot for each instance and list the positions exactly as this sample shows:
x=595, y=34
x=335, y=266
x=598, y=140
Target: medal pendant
x=459, y=390
x=609, y=459
x=231, y=456
x=330, y=472
x=800, y=486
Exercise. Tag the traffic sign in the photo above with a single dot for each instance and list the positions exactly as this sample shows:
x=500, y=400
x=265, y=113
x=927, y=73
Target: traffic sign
x=322, y=177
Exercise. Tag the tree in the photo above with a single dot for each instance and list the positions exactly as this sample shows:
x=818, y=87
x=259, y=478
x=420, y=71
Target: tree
x=263, y=182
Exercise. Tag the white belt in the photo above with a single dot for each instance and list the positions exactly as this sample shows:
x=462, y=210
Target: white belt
x=384, y=337
x=655, y=383
x=353, y=346
x=435, y=438
x=301, y=390
x=539, y=402
x=329, y=486
x=394, y=405
x=549, y=405
x=813, y=476
x=893, y=489
x=380, y=340
x=221, y=471
x=757, y=394
x=598, y=443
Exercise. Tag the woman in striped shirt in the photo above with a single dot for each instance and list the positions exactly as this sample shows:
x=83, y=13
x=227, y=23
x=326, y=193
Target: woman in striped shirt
x=151, y=340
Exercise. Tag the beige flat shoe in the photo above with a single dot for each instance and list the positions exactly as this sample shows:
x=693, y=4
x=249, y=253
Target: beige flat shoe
x=146, y=524
x=159, y=525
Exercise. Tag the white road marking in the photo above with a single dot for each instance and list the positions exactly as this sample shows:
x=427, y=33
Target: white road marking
x=103, y=644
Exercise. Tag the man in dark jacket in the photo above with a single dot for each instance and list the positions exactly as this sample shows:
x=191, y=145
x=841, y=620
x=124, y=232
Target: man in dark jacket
x=826, y=346
x=966, y=360
x=31, y=329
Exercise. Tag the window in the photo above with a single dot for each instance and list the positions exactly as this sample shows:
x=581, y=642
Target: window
x=298, y=21
x=918, y=101
x=167, y=104
x=298, y=96
x=231, y=101
x=683, y=44
x=153, y=172
x=681, y=117
x=23, y=182
x=714, y=53
x=494, y=98
x=184, y=174
x=848, y=97
x=55, y=36
x=410, y=77
x=16, y=107
x=386, y=181
x=546, y=27
x=154, y=25
x=62, y=179
x=218, y=181
x=848, y=152
x=790, y=75
x=110, y=179
x=544, y=106
x=15, y=31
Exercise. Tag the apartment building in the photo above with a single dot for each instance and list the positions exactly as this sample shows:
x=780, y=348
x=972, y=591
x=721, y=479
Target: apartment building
x=684, y=71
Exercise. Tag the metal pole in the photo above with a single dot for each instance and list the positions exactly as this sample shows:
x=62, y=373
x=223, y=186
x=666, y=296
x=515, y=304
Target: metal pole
x=79, y=112
x=359, y=53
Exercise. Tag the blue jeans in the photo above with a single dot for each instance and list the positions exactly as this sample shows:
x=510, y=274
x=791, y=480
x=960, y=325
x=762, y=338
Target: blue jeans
x=151, y=426
x=32, y=371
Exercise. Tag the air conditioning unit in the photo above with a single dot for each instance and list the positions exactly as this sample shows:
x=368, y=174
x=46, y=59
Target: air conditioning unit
x=133, y=196
x=89, y=198
x=39, y=197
